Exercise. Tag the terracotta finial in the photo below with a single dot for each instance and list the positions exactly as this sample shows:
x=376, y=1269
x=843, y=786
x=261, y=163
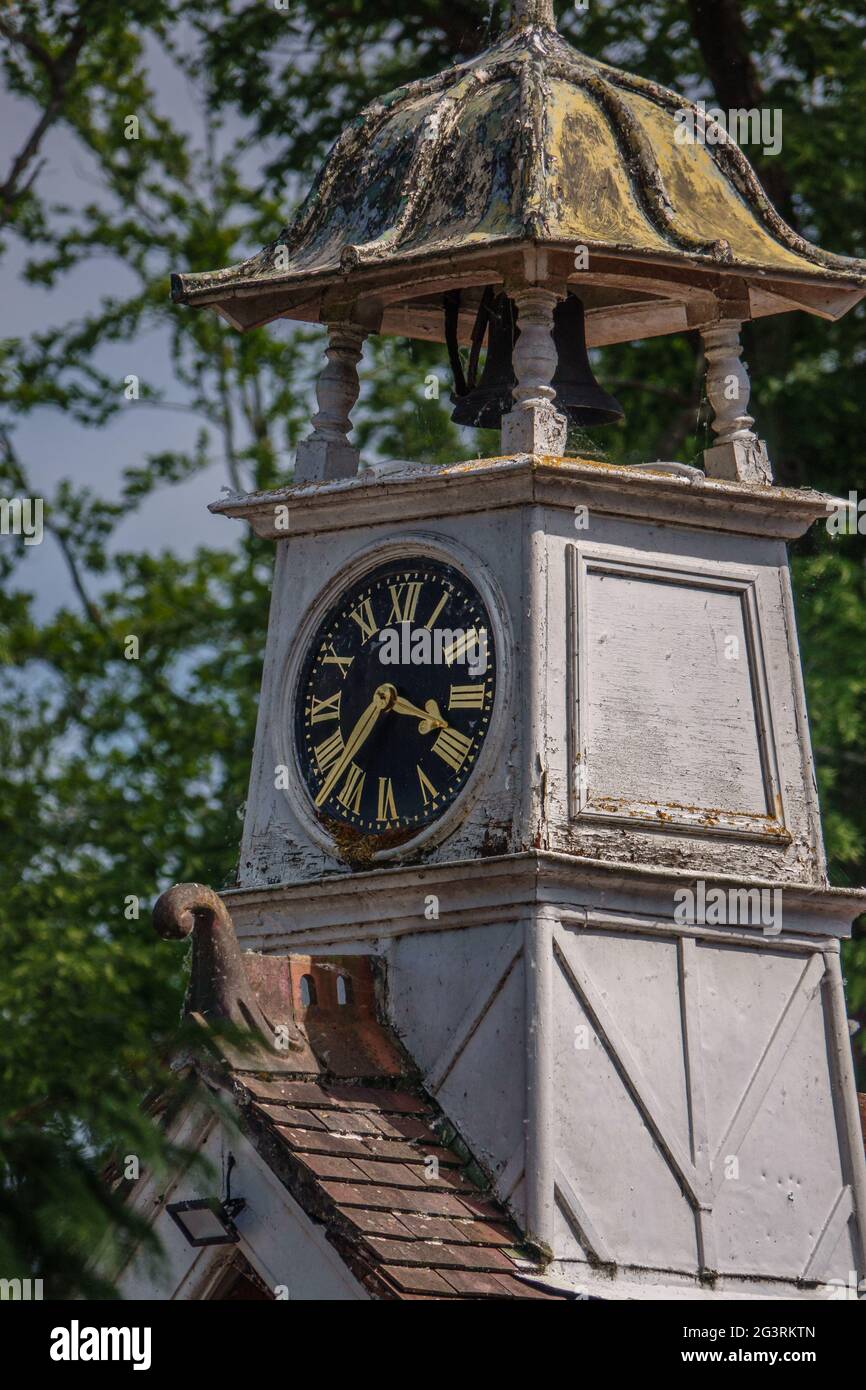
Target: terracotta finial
x=218, y=984
x=525, y=13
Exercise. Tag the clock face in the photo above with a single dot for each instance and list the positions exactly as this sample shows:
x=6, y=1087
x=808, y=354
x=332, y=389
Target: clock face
x=394, y=702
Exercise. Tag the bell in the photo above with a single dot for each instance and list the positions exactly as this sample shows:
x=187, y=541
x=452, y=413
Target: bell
x=578, y=394
x=483, y=405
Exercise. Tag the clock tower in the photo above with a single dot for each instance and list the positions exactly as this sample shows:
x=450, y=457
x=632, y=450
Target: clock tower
x=532, y=731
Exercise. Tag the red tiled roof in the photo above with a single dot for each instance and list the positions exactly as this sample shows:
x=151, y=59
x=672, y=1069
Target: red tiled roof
x=398, y=1204
x=338, y=1113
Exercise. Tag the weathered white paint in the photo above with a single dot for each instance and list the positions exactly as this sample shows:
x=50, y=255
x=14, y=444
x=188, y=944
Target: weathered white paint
x=541, y=1165
x=725, y=736
x=701, y=1041
x=534, y=425
x=728, y=385
x=327, y=454
x=738, y=452
x=763, y=1054
x=670, y=696
x=362, y=909
x=603, y=1059
x=484, y=485
x=278, y=1239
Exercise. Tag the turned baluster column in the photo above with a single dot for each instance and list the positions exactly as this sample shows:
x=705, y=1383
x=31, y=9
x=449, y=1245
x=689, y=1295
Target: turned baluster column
x=534, y=425
x=327, y=453
x=737, y=453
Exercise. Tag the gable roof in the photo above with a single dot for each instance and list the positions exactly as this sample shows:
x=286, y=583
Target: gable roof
x=334, y=1105
x=357, y=1159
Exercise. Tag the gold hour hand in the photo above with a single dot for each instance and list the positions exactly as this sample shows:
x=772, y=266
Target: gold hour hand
x=429, y=716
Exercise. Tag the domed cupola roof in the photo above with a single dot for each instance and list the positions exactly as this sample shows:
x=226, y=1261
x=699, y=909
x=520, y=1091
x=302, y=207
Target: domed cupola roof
x=531, y=141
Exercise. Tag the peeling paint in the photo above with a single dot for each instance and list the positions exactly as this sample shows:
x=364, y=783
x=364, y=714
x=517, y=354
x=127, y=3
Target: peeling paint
x=530, y=140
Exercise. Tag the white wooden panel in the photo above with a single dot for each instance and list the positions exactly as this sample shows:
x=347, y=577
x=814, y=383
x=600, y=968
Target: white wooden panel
x=743, y=995
x=670, y=697
x=608, y=1154
x=698, y=1130
x=485, y=1092
x=670, y=718
x=433, y=979
x=771, y=1207
x=626, y=967
x=456, y=998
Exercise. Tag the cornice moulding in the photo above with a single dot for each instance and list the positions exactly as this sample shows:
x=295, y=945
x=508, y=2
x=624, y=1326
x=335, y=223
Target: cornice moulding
x=419, y=492
x=380, y=903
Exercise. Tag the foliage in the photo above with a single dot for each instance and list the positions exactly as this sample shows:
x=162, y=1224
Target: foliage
x=119, y=776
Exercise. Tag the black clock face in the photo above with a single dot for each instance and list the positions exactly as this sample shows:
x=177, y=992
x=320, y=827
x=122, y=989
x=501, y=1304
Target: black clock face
x=394, y=701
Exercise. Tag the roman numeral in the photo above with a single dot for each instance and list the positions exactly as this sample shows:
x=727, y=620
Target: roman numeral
x=328, y=708
x=404, y=601
x=333, y=660
x=426, y=786
x=387, y=806
x=457, y=649
x=352, y=790
x=467, y=697
x=363, y=616
x=328, y=752
x=452, y=747
x=437, y=610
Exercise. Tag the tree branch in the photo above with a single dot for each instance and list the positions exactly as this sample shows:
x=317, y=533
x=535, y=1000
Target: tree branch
x=75, y=575
x=19, y=478
x=723, y=39
x=59, y=71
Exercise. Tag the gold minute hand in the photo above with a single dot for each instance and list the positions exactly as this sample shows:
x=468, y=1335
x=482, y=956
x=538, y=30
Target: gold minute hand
x=382, y=698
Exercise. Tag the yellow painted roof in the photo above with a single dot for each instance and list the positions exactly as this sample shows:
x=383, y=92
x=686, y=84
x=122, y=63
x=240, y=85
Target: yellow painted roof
x=529, y=139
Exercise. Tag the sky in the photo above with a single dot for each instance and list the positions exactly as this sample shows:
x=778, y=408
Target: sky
x=51, y=445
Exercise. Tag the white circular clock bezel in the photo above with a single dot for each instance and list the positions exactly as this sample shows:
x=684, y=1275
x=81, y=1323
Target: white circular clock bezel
x=410, y=545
